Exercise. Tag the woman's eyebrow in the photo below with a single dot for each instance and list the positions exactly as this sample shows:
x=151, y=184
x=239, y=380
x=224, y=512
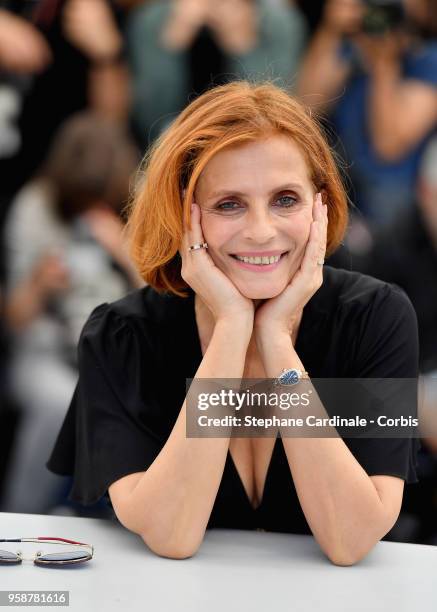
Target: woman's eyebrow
x=222, y=192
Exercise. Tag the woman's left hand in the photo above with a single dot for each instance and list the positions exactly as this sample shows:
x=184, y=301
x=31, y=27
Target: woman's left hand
x=281, y=313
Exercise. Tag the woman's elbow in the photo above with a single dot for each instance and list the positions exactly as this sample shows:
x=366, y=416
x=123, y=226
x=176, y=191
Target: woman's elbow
x=345, y=557
x=170, y=550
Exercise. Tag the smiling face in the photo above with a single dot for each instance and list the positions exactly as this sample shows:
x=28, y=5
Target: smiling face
x=256, y=201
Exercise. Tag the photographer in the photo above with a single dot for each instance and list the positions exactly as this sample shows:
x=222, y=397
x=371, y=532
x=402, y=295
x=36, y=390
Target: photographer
x=372, y=66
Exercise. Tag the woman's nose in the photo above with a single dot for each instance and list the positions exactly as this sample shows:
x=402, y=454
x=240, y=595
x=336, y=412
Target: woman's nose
x=259, y=227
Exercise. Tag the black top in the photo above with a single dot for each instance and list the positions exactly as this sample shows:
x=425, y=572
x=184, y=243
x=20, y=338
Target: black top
x=403, y=253
x=124, y=407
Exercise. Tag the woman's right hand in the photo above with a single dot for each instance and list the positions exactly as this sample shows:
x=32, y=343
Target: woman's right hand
x=215, y=289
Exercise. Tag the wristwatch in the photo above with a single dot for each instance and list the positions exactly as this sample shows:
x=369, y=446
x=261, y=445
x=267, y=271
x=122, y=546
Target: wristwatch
x=290, y=377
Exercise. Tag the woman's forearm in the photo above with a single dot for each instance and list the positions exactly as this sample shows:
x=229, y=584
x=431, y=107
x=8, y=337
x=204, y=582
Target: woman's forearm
x=172, y=501
x=339, y=500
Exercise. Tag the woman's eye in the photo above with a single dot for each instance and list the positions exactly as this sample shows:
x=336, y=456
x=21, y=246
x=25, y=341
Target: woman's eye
x=287, y=201
x=227, y=206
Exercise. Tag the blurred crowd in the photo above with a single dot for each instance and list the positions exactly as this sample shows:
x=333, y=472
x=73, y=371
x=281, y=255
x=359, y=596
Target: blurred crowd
x=87, y=85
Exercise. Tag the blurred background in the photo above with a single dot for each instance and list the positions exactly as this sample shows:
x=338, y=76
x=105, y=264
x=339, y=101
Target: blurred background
x=85, y=88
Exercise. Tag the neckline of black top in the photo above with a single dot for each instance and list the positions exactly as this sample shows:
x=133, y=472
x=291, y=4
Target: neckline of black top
x=307, y=325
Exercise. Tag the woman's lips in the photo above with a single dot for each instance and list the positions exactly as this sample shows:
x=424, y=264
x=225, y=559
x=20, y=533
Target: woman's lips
x=259, y=267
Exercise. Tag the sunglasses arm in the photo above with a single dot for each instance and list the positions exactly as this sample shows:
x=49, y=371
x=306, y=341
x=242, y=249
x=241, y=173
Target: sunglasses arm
x=50, y=540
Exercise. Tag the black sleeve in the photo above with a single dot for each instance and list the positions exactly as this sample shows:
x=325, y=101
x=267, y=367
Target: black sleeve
x=388, y=348
x=108, y=431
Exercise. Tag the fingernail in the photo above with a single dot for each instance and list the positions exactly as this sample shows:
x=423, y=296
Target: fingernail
x=319, y=198
x=192, y=208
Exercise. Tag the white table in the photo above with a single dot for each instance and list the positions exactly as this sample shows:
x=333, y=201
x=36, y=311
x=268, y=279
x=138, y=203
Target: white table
x=232, y=571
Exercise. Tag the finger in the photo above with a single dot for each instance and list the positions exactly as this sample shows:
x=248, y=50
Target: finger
x=316, y=246
x=322, y=220
x=315, y=203
x=318, y=208
x=325, y=229
x=312, y=249
x=192, y=235
x=195, y=234
x=322, y=215
x=184, y=242
x=324, y=225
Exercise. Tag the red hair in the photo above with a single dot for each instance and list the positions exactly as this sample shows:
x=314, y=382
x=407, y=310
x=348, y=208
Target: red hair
x=225, y=116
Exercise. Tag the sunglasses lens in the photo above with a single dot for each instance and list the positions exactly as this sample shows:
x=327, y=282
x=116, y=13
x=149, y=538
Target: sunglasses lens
x=8, y=557
x=76, y=556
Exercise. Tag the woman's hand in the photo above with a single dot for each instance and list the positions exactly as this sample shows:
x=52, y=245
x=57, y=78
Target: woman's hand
x=215, y=289
x=281, y=313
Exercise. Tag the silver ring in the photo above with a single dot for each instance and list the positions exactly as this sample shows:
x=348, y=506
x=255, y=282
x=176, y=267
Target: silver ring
x=194, y=247
x=320, y=263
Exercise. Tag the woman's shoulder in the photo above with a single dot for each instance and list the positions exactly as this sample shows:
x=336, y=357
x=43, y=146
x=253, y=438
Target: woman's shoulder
x=142, y=327
x=347, y=290
x=141, y=307
x=369, y=323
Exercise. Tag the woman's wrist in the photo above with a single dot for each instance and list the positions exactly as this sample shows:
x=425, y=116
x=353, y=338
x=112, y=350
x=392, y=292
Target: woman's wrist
x=272, y=336
x=277, y=329
x=277, y=352
x=240, y=326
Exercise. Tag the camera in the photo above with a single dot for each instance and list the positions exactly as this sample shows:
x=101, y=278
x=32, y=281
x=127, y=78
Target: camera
x=383, y=16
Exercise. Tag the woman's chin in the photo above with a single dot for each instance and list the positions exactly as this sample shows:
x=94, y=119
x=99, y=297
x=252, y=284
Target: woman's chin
x=258, y=291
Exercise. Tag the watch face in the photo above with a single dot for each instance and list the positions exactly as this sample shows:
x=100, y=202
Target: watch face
x=290, y=377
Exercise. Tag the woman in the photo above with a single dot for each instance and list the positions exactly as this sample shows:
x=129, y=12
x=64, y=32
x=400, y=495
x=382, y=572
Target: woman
x=249, y=163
